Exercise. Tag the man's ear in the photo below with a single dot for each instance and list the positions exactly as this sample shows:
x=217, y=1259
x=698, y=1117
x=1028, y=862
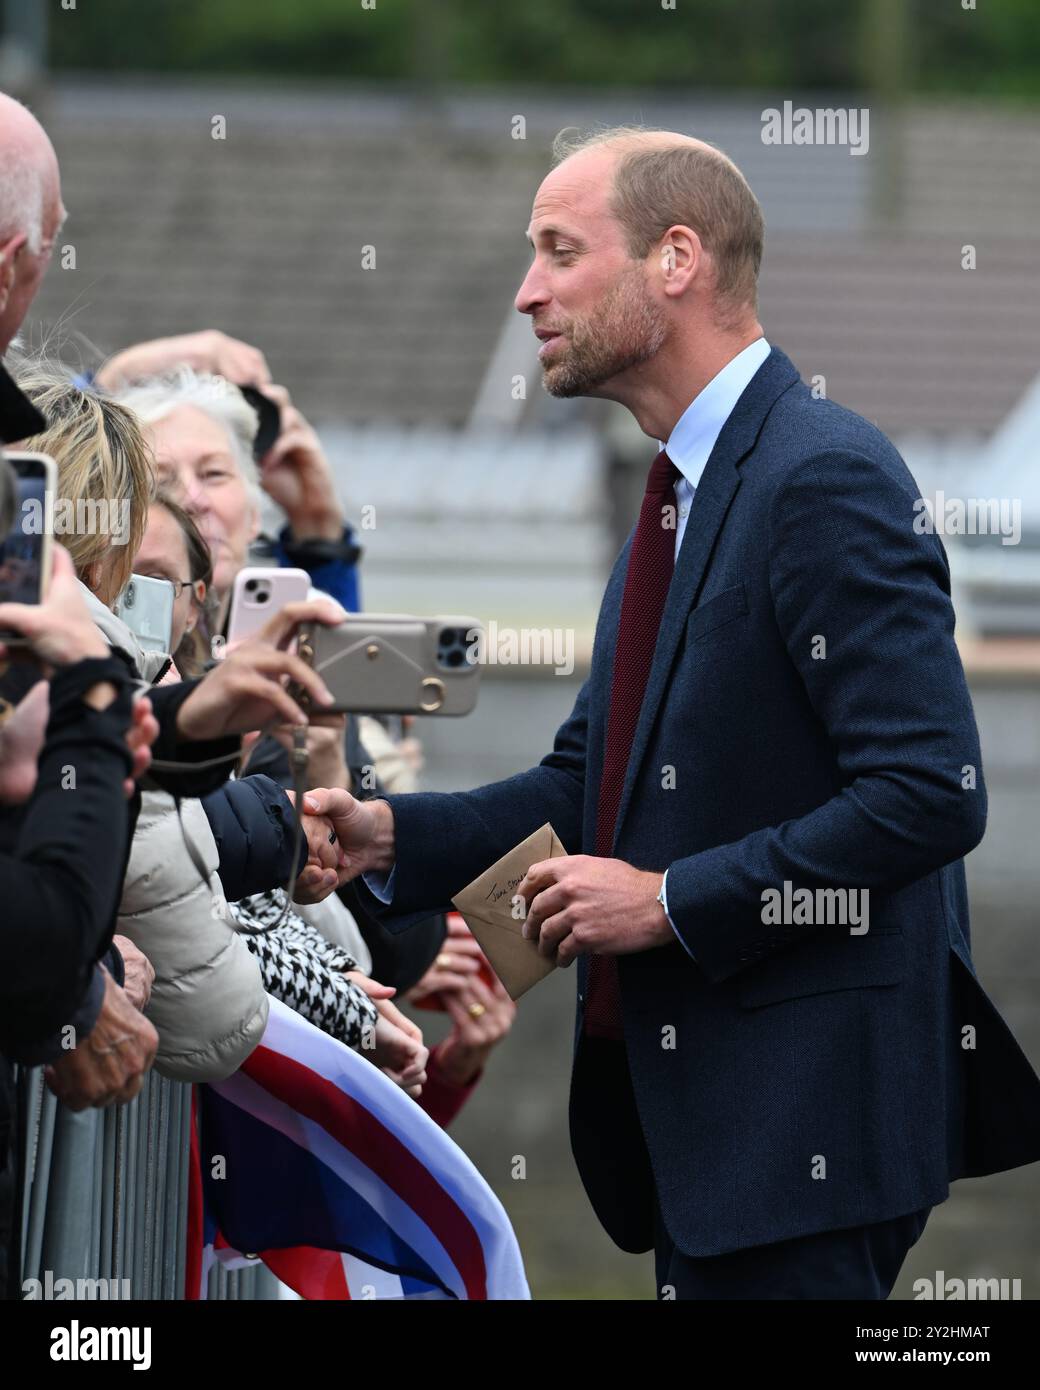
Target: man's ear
x=8, y=256
x=254, y=525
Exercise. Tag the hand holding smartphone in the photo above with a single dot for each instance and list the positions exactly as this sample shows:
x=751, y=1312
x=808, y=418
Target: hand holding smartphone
x=25, y=551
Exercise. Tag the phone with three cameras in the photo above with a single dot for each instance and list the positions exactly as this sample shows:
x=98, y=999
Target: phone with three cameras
x=394, y=663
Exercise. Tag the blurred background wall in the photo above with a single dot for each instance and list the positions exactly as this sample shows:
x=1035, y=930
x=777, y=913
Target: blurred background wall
x=348, y=189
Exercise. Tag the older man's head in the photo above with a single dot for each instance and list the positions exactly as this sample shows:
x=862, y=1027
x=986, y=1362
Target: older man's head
x=31, y=212
x=641, y=238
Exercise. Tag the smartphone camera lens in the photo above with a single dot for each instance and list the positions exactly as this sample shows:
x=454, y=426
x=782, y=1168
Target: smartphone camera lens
x=250, y=586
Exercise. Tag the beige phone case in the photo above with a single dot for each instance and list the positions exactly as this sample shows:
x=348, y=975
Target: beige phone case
x=387, y=663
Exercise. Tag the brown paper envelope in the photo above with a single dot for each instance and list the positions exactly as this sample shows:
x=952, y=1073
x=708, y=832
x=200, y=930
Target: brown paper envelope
x=487, y=906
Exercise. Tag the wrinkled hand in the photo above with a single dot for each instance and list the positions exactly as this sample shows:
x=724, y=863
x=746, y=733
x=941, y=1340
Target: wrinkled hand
x=138, y=972
x=245, y=691
x=206, y=351
x=108, y=1066
x=296, y=474
x=580, y=904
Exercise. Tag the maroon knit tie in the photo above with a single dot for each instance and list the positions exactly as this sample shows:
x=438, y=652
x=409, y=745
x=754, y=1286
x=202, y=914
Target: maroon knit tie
x=650, y=564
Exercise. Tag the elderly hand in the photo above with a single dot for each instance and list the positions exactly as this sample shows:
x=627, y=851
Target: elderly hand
x=108, y=1066
x=296, y=474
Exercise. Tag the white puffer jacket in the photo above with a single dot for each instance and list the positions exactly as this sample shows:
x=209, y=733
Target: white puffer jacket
x=208, y=1003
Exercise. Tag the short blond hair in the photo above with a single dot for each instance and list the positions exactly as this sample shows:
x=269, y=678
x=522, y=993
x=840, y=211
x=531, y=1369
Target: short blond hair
x=102, y=456
x=683, y=183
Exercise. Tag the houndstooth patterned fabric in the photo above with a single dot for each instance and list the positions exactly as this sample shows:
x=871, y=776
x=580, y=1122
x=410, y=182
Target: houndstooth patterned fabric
x=303, y=969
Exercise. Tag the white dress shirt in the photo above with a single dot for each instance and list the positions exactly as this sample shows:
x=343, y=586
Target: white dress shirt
x=699, y=426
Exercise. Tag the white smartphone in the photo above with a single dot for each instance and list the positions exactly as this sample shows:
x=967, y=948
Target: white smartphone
x=260, y=591
x=146, y=606
x=25, y=552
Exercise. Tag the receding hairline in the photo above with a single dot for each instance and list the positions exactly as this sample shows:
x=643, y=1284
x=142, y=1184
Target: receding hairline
x=630, y=140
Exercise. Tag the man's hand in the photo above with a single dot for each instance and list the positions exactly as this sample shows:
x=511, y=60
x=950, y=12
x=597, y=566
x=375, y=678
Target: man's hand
x=139, y=973
x=581, y=904
x=296, y=474
x=364, y=829
x=208, y=351
x=108, y=1066
x=245, y=692
x=320, y=874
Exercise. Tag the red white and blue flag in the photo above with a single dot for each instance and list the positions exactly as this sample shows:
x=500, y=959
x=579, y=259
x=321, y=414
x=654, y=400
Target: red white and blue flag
x=313, y=1160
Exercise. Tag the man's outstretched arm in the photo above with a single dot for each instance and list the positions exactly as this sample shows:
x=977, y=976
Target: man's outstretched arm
x=437, y=842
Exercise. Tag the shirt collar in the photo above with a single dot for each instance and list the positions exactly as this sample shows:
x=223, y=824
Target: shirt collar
x=699, y=426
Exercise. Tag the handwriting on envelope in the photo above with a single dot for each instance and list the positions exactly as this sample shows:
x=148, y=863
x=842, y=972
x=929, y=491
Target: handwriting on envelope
x=487, y=905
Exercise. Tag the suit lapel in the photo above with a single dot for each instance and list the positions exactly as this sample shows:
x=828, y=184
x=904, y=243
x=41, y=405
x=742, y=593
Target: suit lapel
x=715, y=492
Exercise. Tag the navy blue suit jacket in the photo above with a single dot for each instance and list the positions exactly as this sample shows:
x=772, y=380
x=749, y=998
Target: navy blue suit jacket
x=806, y=721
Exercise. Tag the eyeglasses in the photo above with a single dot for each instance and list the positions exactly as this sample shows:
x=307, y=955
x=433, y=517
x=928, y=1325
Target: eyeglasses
x=178, y=584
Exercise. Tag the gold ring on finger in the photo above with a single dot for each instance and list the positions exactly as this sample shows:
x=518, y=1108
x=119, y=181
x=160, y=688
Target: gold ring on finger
x=476, y=1010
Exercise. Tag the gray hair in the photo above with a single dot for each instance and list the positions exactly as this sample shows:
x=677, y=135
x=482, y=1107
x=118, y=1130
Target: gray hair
x=154, y=398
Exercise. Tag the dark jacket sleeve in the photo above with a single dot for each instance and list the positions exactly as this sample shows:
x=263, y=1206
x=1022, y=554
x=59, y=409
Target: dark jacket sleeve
x=445, y=839
x=168, y=747
x=253, y=823
x=63, y=867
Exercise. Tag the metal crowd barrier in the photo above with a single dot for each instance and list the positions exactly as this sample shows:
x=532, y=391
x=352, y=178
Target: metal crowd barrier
x=106, y=1199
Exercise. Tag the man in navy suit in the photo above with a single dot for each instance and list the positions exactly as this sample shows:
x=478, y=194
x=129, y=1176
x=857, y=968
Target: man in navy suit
x=766, y=787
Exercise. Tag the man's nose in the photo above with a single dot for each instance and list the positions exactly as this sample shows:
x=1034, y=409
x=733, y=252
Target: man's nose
x=532, y=292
